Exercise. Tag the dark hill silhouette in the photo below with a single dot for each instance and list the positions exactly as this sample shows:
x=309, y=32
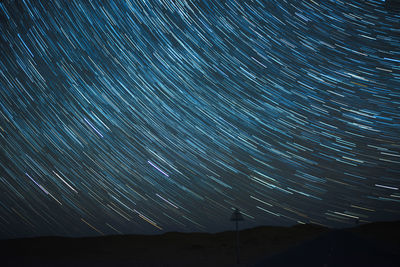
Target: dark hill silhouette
x=300, y=245
x=335, y=248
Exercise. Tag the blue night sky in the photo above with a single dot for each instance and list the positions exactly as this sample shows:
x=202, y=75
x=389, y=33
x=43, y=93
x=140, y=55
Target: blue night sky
x=153, y=116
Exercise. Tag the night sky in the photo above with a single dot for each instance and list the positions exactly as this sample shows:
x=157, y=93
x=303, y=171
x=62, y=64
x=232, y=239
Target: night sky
x=121, y=117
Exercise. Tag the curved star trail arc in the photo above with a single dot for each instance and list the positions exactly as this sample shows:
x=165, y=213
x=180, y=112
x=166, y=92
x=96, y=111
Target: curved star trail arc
x=148, y=116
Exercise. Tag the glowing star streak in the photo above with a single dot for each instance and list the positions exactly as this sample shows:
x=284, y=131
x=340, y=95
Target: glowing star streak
x=157, y=168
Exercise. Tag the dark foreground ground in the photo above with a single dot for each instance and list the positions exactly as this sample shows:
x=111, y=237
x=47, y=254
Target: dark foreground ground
x=376, y=244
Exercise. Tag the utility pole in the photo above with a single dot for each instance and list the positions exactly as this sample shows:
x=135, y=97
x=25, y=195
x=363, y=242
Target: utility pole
x=236, y=217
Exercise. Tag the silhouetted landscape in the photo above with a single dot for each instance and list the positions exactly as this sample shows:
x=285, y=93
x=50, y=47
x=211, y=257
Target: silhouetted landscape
x=374, y=244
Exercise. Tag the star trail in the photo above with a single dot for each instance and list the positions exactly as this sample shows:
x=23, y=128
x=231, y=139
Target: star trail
x=121, y=117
